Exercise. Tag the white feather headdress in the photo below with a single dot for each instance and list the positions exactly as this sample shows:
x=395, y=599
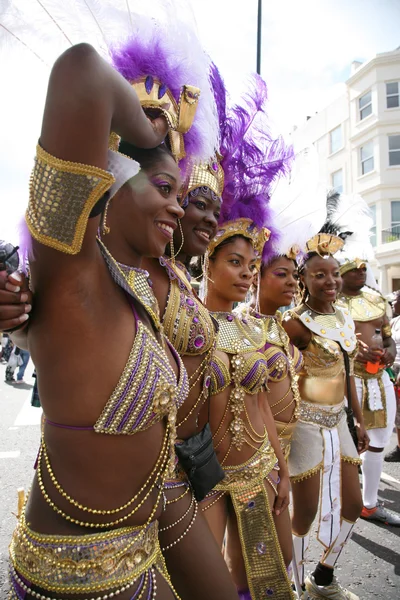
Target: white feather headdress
x=299, y=206
x=353, y=220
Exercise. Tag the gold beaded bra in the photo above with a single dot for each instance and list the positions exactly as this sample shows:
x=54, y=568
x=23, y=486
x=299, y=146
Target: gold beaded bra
x=148, y=389
x=187, y=323
x=242, y=335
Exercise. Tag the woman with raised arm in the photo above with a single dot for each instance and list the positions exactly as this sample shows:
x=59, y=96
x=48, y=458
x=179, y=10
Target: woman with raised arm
x=94, y=281
x=323, y=461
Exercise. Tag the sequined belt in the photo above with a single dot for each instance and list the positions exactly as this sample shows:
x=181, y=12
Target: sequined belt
x=359, y=371
x=321, y=415
x=87, y=563
x=254, y=469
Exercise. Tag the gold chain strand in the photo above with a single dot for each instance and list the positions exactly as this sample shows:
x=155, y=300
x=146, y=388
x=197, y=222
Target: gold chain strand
x=287, y=425
x=222, y=439
x=196, y=507
x=219, y=496
x=180, y=518
x=284, y=408
x=251, y=426
x=221, y=424
x=204, y=394
x=282, y=399
x=95, y=511
x=39, y=596
x=95, y=525
x=227, y=452
x=179, y=497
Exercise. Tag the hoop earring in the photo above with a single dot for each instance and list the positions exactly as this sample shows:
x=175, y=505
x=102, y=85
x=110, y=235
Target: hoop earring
x=104, y=227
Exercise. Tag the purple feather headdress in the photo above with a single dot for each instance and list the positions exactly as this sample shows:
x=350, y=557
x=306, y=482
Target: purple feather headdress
x=252, y=161
x=171, y=52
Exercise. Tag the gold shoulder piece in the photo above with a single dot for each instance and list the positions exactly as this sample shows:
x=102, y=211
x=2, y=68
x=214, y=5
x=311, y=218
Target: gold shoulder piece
x=61, y=197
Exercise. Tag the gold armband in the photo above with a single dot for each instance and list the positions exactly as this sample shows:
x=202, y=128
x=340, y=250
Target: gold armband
x=61, y=197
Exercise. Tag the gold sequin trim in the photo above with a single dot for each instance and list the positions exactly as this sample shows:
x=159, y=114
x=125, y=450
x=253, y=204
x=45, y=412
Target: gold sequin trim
x=324, y=416
x=351, y=460
x=307, y=474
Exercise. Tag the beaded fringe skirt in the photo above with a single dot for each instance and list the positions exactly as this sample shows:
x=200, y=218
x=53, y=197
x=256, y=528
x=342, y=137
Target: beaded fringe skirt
x=93, y=564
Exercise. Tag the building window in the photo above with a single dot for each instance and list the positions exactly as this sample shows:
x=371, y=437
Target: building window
x=373, y=228
x=337, y=181
x=367, y=158
x=395, y=213
x=392, y=95
x=365, y=105
x=336, y=139
x=394, y=150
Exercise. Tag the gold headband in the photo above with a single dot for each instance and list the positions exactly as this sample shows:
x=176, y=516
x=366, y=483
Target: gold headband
x=324, y=244
x=350, y=265
x=246, y=228
x=209, y=174
x=153, y=94
x=293, y=252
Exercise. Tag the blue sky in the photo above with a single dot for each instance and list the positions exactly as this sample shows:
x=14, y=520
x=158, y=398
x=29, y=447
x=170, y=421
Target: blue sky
x=308, y=46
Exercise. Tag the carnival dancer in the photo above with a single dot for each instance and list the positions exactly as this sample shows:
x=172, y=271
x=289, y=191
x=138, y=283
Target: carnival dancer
x=244, y=433
x=275, y=287
x=323, y=461
x=276, y=284
x=375, y=391
x=150, y=413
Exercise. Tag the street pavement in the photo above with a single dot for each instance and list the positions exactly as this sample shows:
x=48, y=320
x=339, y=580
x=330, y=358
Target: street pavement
x=369, y=566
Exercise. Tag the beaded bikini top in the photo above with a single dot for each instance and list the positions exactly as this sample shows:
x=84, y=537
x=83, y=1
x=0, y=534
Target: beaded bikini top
x=367, y=306
x=242, y=337
x=276, y=345
x=148, y=389
x=187, y=323
x=323, y=356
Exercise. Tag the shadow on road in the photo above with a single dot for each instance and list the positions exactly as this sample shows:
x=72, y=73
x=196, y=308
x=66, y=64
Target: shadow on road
x=389, y=556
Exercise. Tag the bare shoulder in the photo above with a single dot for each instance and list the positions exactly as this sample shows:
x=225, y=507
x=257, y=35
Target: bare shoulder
x=298, y=333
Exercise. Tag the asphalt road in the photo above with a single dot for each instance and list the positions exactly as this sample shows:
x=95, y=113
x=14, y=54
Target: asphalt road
x=369, y=566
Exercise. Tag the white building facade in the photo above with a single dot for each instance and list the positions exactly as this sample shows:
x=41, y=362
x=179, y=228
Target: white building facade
x=357, y=138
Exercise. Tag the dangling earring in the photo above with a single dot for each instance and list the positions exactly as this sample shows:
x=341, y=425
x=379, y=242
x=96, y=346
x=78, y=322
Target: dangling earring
x=182, y=237
x=171, y=244
x=104, y=227
x=172, y=250
x=258, y=293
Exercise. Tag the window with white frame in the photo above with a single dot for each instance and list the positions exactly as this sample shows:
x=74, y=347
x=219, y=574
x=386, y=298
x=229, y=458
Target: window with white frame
x=336, y=142
x=373, y=228
x=395, y=214
x=394, y=150
x=392, y=94
x=367, y=158
x=337, y=181
x=365, y=105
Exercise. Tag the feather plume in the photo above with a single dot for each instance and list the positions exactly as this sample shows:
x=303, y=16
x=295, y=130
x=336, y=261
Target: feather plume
x=353, y=222
x=167, y=48
x=252, y=159
x=298, y=206
x=173, y=54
